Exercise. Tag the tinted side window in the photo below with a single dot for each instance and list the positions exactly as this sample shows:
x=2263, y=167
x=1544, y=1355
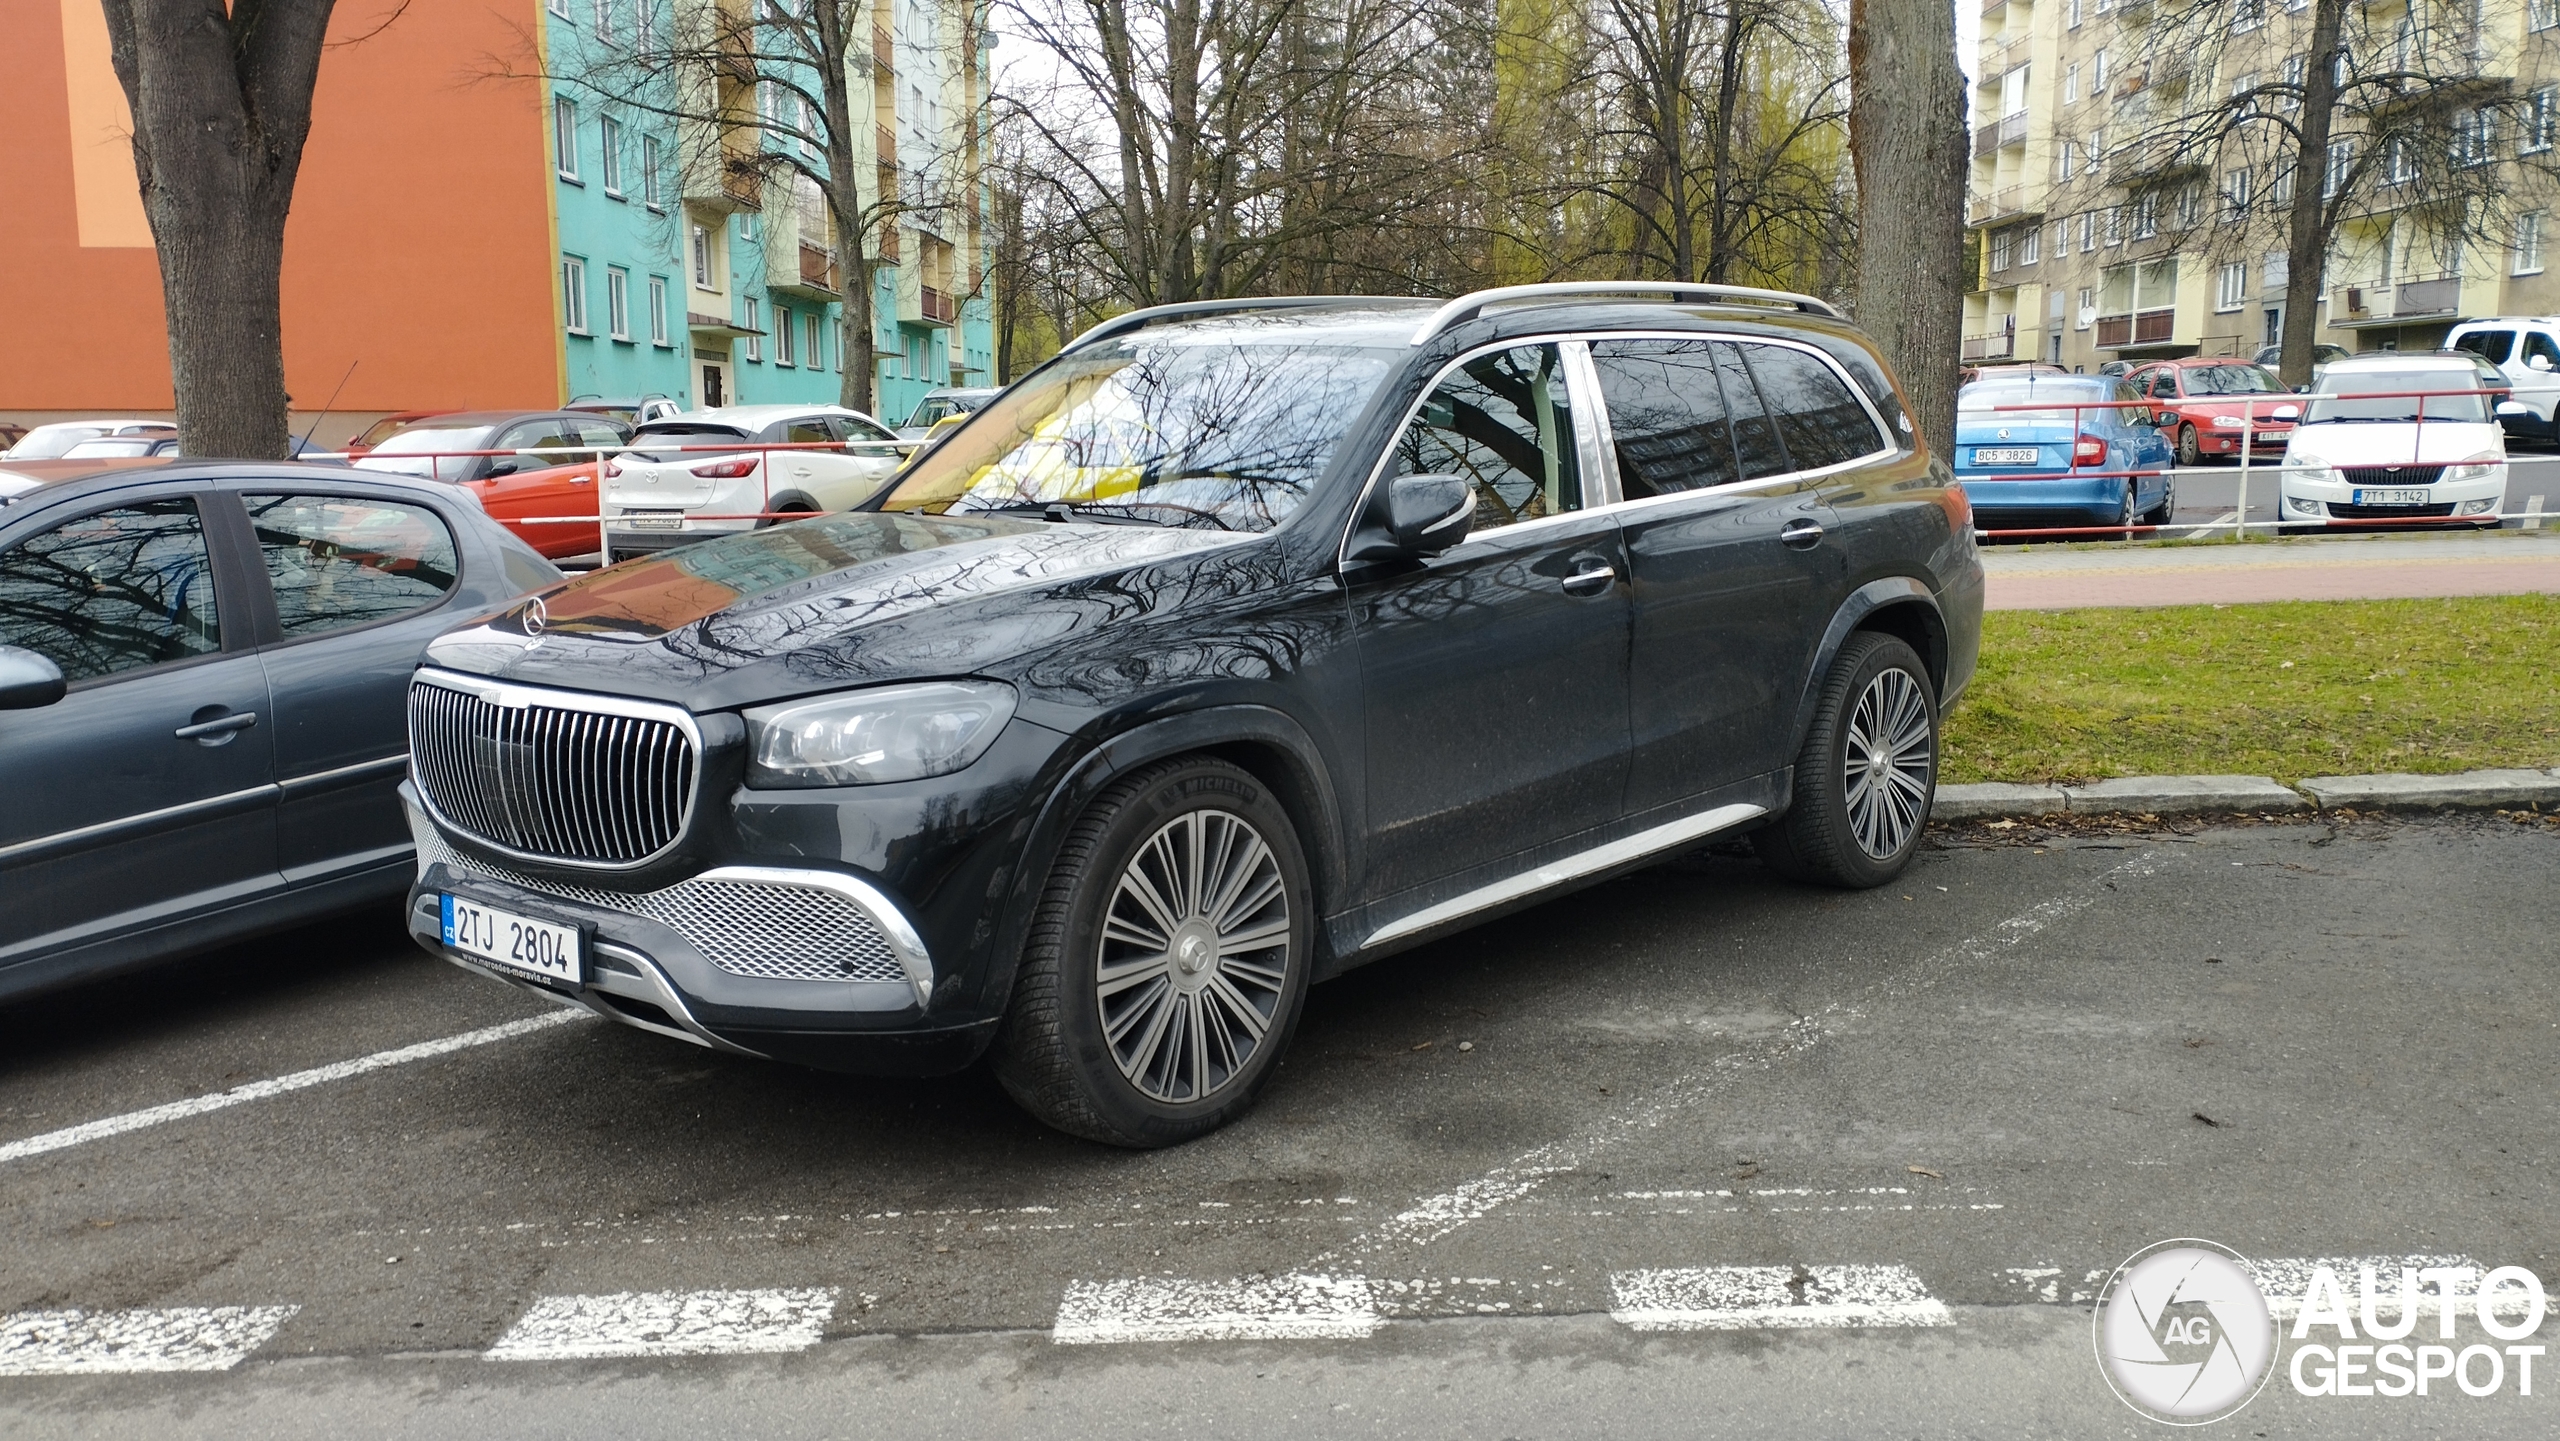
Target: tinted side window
x=1823, y=424
x=864, y=430
x=597, y=432
x=115, y=591
x=2134, y=414
x=2495, y=345
x=550, y=436
x=2537, y=343
x=1666, y=415
x=1755, y=438
x=1502, y=421
x=338, y=562
x=810, y=430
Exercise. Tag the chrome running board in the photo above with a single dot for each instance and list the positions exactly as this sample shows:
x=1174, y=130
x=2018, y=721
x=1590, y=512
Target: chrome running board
x=1571, y=868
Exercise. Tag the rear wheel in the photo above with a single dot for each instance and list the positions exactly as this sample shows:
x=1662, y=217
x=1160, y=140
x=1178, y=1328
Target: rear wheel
x=2125, y=516
x=1867, y=772
x=1167, y=962
x=2160, y=514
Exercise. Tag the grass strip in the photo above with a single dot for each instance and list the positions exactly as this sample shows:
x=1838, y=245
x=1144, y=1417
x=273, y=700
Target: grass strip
x=2292, y=689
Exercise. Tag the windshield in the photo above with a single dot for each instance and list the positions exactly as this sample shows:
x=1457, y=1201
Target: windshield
x=47, y=442
x=683, y=442
x=112, y=446
x=2000, y=398
x=2391, y=400
x=1210, y=433
x=2232, y=380
x=378, y=432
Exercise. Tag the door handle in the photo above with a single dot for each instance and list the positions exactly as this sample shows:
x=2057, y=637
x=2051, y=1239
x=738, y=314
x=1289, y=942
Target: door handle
x=219, y=729
x=1801, y=534
x=1589, y=582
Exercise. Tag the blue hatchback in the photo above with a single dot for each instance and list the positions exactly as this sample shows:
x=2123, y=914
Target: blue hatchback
x=2043, y=464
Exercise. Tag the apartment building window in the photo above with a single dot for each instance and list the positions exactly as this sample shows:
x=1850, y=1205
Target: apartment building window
x=782, y=335
x=564, y=136
x=559, y=8
x=617, y=303
x=1999, y=251
x=649, y=193
x=644, y=19
x=2248, y=15
x=2235, y=194
x=2031, y=245
x=814, y=353
x=609, y=135
x=2294, y=70
x=2475, y=136
x=702, y=257
x=2190, y=205
x=2527, y=256
x=2280, y=189
x=604, y=20
x=2091, y=153
x=2088, y=232
x=2273, y=267
x=2541, y=116
x=2146, y=215
x=657, y=310
x=2115, y=225
x=2073, y=10
x=2542, y=14
x=573, y=294
x=2342, y=157
x=2230, y=286
x=2088, y=310
x=2071, y=82
x=2399, y=161
x=2098, y=71
x=2062, y=162
x=808, y=127
x=753, y=346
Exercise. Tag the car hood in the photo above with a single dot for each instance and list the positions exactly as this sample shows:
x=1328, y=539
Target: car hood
x=847, y=599
x=2392, y=443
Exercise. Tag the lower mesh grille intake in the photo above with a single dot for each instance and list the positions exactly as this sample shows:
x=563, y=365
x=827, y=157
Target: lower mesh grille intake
x=748, y=928
x=2343, y=511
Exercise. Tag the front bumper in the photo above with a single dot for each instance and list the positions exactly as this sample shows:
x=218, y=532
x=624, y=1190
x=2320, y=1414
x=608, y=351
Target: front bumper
x=2306, y=496
x=815, y=966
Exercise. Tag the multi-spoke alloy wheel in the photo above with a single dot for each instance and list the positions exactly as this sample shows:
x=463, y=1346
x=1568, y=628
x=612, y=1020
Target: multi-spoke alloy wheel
x=1887, y=758
x=1167, y=959
x=1867, y=772
x=1193, y=957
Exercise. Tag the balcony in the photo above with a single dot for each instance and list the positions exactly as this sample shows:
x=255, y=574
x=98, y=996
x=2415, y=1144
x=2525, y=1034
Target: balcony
x=1996, y=345
x=2139, y=327
x=2009, y=202
x=1997, y=136
x=808, y=274
x=938, y=307
x=2154, y=160
x=2411, y=302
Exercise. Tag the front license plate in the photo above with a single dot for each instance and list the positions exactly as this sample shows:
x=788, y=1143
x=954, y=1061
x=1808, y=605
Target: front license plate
x=520, y=943
x=2004, y=455
x=2391, y=497
x=652, y=519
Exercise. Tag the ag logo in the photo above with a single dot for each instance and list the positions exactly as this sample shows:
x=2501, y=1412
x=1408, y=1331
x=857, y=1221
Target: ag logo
x=2184, y=1334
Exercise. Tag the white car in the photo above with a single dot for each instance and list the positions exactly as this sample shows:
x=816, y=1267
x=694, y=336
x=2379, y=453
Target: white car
x=682, y=483
x=2369, y=449
x=48, y=442
x=2527, y=348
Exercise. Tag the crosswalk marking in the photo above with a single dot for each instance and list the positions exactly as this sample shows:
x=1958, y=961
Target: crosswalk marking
x=180, y=1338
x=667, y=1323
x=1738, y=1298
x=1260, y=1308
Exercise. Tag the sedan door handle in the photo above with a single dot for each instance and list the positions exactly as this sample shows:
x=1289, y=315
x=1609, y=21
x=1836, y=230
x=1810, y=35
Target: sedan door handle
x=1801, y=534
x=217, y=730
x=1589, y=582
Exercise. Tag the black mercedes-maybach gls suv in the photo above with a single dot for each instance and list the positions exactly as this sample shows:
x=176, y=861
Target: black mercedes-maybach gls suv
x=1241, y=644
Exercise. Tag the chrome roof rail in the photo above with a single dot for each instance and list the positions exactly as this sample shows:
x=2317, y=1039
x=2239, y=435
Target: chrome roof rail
x=1467, y=307
x=1158, y=314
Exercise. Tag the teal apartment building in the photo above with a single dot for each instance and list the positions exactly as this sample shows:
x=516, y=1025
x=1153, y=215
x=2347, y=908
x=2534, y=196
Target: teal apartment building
x=688, y=270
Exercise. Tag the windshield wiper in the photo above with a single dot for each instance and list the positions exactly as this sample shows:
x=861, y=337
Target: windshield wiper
x=1057, y=512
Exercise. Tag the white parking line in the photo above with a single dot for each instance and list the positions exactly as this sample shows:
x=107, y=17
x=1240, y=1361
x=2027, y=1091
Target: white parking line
x=261, y=1090
x=2533, y=512
x=1272, y=1308
x=182, y=1338
x=1739, y=1298
x=667, y=1323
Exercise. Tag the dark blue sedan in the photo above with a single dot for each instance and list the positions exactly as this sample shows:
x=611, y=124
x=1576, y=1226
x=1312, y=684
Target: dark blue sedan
x=204, y=672
x=2029, y=460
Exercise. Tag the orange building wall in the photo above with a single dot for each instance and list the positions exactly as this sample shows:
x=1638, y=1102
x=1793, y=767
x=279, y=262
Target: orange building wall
x=420, y=245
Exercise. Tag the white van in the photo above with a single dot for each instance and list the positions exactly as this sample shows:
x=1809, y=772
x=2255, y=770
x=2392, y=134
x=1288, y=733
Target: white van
x=2394, y=438
x=2527, y=348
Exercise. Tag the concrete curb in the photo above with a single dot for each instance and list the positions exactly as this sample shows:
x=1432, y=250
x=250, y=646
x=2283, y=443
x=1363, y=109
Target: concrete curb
x=2250, y=795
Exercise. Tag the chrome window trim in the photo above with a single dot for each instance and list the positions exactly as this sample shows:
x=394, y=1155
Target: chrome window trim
x=1570, y=868
x=515, y=696
x=1583, y=379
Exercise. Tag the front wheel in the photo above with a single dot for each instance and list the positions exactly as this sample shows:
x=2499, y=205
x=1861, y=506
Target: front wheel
x=1867, y=773
x=1167, y=962
x=2190, y=448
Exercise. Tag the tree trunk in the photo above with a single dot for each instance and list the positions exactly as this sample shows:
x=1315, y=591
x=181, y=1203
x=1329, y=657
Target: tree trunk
x=2306, y=250
x=861, y=350
x=1907, y=142
x=1737, y=37
x=221, y=107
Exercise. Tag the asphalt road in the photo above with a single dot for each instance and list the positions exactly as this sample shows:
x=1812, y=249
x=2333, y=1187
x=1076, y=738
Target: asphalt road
x=1476, y=1146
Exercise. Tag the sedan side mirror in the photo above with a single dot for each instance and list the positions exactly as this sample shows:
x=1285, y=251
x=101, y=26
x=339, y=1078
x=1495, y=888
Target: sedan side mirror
x=27, y=680
x=1430, y=513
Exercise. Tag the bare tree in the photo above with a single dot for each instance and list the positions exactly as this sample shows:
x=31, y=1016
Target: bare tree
x=1907, y=137
x=221, y=98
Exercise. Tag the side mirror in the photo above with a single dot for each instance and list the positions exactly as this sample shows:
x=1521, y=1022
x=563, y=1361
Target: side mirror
x=2538, y=362
x=28, y=681
x=502, y=465
x=1430, y=513
x=2287, y=412
x=2513, y=408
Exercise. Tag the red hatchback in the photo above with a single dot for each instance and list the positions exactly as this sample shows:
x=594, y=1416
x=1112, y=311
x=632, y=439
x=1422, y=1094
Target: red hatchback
x=2207, y=399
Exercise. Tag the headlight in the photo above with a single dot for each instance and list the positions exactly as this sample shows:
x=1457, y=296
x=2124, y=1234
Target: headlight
x=867, y=737
x=2479, y=467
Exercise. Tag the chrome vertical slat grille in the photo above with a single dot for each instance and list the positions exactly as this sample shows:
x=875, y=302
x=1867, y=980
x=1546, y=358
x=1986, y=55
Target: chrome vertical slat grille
x=552, y=774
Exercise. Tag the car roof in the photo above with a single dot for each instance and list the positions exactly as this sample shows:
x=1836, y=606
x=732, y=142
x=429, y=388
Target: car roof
x=498, y=417
x=2199, y=362
x=106, y=472
x=760, y=414
x=2401, y=360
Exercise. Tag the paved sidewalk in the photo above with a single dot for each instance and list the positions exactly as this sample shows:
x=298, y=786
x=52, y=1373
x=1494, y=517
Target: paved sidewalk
x=2369, y=567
